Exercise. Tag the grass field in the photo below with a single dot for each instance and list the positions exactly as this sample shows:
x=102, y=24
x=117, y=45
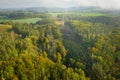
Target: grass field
x=2, y=17
x=3, y=28
x=80, y=13
x=29, y=20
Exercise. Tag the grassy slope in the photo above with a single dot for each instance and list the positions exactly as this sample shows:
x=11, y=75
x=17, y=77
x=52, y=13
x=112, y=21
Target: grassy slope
x=80, y=13
x=29, y=20
x=3, y=28
x=3, y=17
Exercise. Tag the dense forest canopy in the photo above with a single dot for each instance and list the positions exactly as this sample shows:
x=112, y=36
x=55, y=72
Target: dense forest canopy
x=59, y=47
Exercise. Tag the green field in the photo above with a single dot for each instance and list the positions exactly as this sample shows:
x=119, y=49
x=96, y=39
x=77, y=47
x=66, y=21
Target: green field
x=29, y=20
x=80, y=13
x=3, y=28
x=2, y=17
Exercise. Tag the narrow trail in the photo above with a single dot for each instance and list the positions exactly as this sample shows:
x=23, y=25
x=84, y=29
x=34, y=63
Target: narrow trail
x=73, y=44
x=68, y=33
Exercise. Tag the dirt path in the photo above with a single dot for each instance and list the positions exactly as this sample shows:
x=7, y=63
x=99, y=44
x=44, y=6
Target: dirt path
x=68, y=33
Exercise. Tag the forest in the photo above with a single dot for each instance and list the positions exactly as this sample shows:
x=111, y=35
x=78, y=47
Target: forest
x=59, y=46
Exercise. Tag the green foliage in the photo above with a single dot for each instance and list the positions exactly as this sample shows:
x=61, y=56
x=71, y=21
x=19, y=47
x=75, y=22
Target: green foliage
x=97, y=47
x=83, y=48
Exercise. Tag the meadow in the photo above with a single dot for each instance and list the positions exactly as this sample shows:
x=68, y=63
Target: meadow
x=79, y=13
x=4, y=28
x=28, y=20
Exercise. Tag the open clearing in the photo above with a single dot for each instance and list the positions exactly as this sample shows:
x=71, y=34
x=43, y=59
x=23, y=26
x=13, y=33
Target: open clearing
x=3, y=28
x=59, y=22
x=28, y=20
x=79, y=13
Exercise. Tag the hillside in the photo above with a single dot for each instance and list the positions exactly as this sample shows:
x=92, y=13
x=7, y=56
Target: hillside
x=59, y=46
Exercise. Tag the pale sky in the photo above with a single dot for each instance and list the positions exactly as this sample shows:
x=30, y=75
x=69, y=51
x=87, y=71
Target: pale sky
x=112, y=4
